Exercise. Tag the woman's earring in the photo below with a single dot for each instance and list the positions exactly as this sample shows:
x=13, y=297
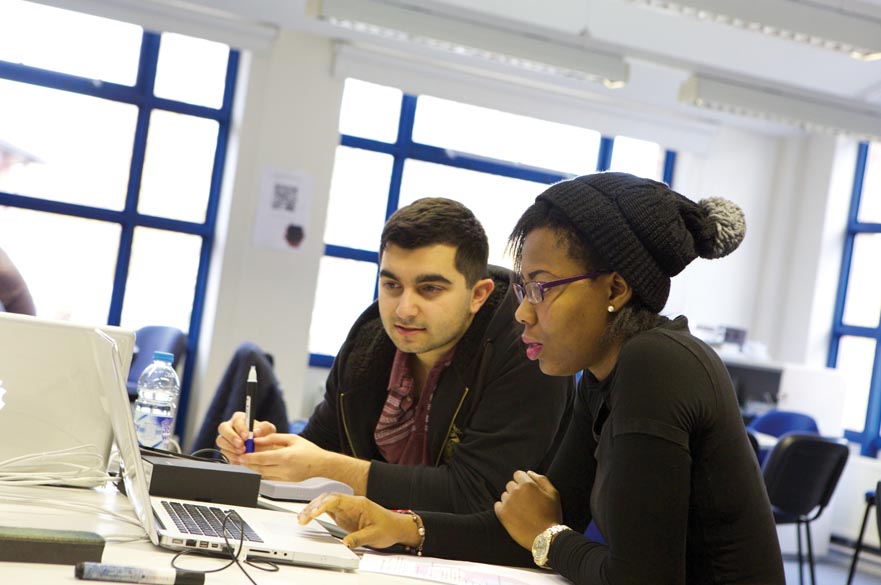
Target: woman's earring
x=611, y=308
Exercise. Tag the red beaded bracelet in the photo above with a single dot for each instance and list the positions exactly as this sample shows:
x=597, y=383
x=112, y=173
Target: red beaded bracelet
x=420, y=528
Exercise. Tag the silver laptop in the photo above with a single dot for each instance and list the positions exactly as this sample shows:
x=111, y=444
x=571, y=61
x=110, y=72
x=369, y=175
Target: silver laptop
x=183, y=524
x=54, y=422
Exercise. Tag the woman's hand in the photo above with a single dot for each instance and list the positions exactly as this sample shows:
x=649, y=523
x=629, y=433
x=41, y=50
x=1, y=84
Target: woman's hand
x=367, y=523
x=529, y=505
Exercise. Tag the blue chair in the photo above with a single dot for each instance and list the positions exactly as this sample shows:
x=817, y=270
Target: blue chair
x=154, y=338
x=779, y=422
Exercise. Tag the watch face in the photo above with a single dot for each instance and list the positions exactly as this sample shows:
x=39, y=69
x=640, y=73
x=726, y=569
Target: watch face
x=540, y=548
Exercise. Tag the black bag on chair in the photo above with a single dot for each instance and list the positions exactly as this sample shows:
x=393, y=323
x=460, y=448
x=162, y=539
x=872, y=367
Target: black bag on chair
x=230, y=395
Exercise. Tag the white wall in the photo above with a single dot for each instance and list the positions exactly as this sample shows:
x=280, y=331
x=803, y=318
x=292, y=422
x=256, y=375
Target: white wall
x=289, y=122
x=739, y=166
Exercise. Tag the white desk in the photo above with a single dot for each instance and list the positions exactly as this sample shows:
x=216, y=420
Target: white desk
x=142, y=553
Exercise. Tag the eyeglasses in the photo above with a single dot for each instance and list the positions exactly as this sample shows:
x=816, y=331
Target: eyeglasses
x=534, y=292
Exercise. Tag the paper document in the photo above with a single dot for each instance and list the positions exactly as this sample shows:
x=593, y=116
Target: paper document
x=454, y=572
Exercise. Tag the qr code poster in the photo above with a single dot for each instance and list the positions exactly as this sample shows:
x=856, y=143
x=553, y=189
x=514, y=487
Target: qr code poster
x=282, y=220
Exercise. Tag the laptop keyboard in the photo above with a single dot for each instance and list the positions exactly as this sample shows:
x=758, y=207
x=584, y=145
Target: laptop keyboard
x=207, y=520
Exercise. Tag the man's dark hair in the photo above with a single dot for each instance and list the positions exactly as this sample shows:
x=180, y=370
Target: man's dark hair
x=435, y=220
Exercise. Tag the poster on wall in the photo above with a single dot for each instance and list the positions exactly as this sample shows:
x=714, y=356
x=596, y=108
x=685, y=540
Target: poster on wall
x=282, y=220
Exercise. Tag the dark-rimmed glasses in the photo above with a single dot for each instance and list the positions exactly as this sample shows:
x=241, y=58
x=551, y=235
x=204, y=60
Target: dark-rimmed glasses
x=534, y=292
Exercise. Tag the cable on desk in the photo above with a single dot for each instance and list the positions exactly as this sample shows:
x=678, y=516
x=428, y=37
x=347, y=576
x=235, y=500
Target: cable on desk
x=67, y=505
x=74, y=466
x=234, y=556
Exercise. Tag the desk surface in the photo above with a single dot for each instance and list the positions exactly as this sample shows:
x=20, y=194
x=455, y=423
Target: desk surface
x=81, y=509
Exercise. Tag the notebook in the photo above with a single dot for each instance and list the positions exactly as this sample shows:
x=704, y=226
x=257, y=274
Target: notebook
x=51, y=399
x=183, y=524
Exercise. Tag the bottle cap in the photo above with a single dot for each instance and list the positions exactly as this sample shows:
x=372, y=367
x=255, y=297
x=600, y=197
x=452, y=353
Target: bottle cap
x=163, y=356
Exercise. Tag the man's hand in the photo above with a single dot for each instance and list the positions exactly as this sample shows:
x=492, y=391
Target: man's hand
x=285, y=457
x=231, y=436
x=529, y=505
x=367, y=523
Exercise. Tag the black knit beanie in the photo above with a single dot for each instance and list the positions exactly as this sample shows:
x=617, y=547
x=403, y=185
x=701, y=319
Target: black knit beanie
x=644, y=230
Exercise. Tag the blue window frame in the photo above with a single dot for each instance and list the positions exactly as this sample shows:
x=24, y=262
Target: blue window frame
x=405, y=148
x=141, y=95
x=868, y=438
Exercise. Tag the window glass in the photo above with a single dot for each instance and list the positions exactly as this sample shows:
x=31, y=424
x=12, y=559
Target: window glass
x=177, y=166
x=498, y=202
x=870, y=198
x=500, y=135
x=855, y=358
x=370, y=111
x=161, y=279
x=358, y=198
x=862, y=304
x=68, y=263
x=191, y=70
x=638, y=157
x=345, y=288
x=69, y=42
x=65, y=147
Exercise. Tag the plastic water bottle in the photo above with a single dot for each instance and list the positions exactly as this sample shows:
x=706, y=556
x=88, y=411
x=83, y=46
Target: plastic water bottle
x=156, y=406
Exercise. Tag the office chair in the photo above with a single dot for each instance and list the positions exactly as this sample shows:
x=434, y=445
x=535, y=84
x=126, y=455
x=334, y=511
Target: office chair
x=779, y=422
x=872, y=499
x=754, y=443
x=154, y=338
x=800, y=475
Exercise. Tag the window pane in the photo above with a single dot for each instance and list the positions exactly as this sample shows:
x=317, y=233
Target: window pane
x=191, y=70
x=855, y=358
x=370, y=111
x=862, y=305
x=870, y=199
x=161, y=279
x=71, y=148
x=345, y=288
x=638, y=157
x=68, y=263
x=69, y=42
x=500, y=135
x=498, y=202
x=170, y=188
x=358, y=198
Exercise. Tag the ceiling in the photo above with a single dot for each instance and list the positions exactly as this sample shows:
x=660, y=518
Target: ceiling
x=658, y=44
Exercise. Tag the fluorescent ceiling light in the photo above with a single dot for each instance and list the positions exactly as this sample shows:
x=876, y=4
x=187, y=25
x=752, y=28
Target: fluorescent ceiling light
x=813, y=24
x=383, y=21
x=812, y=115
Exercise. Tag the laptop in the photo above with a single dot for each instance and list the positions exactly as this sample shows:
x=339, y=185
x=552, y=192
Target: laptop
x=54, y=421
x=183, y=524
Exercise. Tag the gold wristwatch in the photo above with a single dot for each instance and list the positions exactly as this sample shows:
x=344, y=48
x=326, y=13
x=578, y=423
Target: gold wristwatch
x=542, y=544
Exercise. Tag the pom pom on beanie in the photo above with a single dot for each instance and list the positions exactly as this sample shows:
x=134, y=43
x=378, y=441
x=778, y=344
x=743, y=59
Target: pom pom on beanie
x=644, y=230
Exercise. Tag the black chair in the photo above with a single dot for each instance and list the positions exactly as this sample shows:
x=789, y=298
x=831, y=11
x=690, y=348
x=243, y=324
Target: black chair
x=800, y=475
x=754, y=443
x=154, y=338
x=872, y=499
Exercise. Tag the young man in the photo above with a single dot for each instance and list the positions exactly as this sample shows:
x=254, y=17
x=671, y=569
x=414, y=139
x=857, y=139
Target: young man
x=431, y=402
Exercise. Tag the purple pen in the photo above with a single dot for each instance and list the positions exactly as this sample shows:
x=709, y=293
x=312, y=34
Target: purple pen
x=250, y=396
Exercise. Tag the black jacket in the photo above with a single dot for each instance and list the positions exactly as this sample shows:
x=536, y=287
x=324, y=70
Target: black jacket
x=657, y=456
x=493, y=412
